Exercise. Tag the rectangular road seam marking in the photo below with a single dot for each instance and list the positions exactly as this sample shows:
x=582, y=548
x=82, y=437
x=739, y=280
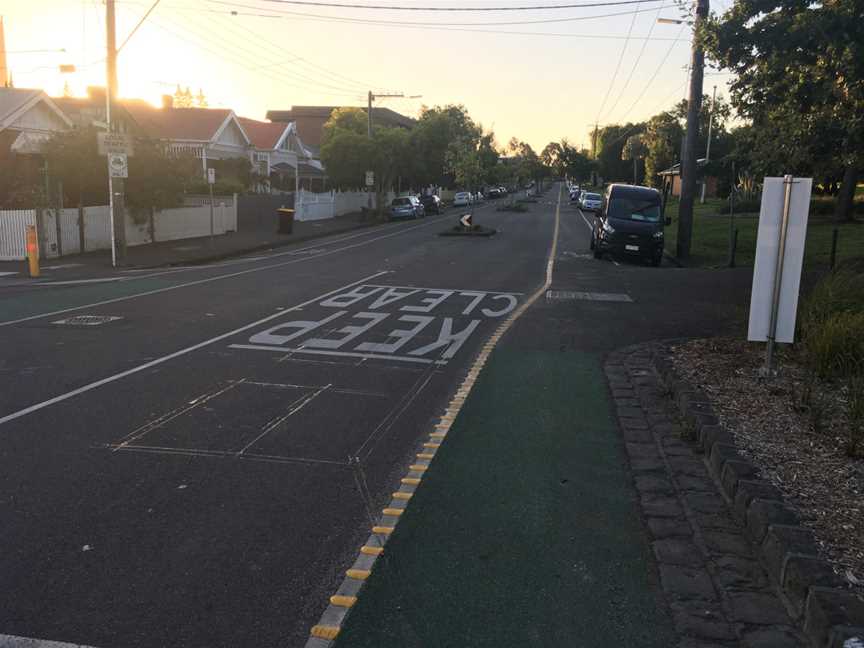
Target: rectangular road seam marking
x=392, y=511
x=12, y=641
x=401, y=496
x=431, y=445
x=385, y=530
x=438, y=435
x=343, y=601
x=324, y=632
x=176, y=354
x=372, y=551
x=425, y=455
x=410, y=480
x=358, y=574
x=419, y=467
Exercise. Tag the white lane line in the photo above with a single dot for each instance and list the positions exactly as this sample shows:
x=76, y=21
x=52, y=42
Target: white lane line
x=72, y=282
x=216, y=278
x=10, y=641
x=7, y=274
x=176, y=354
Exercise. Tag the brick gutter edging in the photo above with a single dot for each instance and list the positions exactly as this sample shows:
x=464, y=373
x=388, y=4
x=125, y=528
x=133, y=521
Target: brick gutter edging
x=831, y=615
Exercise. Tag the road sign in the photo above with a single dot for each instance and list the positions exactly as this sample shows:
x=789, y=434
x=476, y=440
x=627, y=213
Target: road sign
x=466, y=221
x=114, y=143
x=370, y=178
x=211, y=176
x=118, y=165
x=771, y=290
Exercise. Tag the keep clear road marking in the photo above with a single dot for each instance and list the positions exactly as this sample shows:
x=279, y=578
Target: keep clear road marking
x=176, y=354
x=229, y=275
x=9, y=641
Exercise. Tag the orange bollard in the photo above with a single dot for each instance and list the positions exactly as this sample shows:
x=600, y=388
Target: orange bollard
x=33, y=251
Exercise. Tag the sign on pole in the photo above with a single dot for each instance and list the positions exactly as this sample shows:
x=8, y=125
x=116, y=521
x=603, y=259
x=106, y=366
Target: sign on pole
x=466, y=221
x=779, y=259
x=118, y=165
x=109, y=143
x=211, y=176
x=370, y=178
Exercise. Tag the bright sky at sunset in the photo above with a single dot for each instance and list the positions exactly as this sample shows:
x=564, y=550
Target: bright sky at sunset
x=538, y=81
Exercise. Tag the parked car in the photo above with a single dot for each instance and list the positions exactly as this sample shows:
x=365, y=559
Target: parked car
x=462, y=199
x=590, y=201
x=432, y=204
x=575, y=194
x=493, y=192
x=479, y=197
x=630, y=223
x=503, y=190
x=406, y=207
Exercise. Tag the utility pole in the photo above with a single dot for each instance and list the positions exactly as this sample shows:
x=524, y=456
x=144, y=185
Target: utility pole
x=372, y=97
x=708, y=147
x=115, y=199
x=688, y=161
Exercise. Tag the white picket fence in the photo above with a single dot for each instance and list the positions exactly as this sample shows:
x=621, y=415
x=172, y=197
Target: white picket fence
x=167, y=225
x=318, y=206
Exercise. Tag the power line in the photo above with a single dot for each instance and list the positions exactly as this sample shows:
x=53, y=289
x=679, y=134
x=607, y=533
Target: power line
x=617, y=68
x=140, y=22
x=340, y=5
x=407, y=23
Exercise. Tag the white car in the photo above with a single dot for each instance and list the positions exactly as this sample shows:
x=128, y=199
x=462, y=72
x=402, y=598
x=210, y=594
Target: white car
x=590, y=201
x=462, y=199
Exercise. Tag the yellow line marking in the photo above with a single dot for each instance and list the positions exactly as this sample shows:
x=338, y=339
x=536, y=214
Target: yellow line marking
x=382, y=529
x=425, y=455
x=396, y=512
x=413, y=481
x=418, y=468
x=372, y=551
x=325, y=632
x=343, y=601
x=401, y=496
x=431, y=445
x=438, y=435
x=359, y=574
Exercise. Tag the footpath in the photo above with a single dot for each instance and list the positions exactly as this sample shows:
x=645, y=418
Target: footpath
x=561, y=506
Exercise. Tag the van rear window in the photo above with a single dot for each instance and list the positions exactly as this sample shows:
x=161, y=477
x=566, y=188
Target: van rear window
x=647, y=211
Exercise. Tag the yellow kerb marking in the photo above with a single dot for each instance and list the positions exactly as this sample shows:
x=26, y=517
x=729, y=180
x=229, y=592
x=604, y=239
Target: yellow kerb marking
x=411, y=481
x=325, y=632
x=372, y=551
x=425, y=455
x=343, y=601
x=418, y=467
x=393, y=511
x=438, y=435
x=359, y=574
x=382, y=529
x=401, y=496
x=431, y=445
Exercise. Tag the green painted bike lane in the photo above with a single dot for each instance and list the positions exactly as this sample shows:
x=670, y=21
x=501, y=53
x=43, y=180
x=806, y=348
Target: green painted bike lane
x=525, y=530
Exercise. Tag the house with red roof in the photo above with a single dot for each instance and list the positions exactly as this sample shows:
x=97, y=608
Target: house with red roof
x=281, y=156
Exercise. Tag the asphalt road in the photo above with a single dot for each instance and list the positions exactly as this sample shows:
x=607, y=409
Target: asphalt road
x=184, y=475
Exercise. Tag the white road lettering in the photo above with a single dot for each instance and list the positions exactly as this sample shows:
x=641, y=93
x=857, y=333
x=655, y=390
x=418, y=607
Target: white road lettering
x=431, y=302
x=300, y=327
x=350, y=332
x=509, y=307
x=392, y=295
x=447, y=338
x=351, y=297
x=478, y=297
x=403, y=335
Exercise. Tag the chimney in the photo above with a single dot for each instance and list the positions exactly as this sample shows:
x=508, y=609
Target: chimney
x=167, y=101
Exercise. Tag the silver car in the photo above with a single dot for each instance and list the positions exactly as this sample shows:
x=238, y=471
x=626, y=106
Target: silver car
x=590, y=201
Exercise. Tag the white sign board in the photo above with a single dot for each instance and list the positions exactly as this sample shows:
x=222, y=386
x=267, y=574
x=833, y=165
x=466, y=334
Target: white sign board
x=118, y=165
x=465, y=220
x=211, y=176
x=767, y=250
x=370, y=178
x=109, y=143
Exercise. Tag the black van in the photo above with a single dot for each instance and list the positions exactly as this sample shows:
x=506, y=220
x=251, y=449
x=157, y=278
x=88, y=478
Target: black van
x=630, y=223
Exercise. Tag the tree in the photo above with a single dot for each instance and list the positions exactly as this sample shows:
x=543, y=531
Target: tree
x=431, y=138
x=182, y=98
x=353, y=120
x=610, y=145
x=662, y=144
x=158, y=179
x=634, y=150
x=73, y=158
x=200, y=99
x=799, y=70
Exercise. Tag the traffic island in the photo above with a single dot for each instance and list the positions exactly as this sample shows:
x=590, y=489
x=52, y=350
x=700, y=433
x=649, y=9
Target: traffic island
x=467, y=227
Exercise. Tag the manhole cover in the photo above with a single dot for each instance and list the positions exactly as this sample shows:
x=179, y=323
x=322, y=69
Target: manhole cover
x=87, y=320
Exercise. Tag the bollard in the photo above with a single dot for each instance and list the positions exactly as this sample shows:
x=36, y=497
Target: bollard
x=733, y=248
x=834, y=247
x=32, y=251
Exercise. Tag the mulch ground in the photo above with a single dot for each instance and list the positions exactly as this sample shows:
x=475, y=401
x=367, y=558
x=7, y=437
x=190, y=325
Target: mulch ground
x=800, y=450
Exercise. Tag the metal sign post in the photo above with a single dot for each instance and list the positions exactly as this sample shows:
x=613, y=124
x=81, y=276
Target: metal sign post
x=779, y=260
x=211, y=180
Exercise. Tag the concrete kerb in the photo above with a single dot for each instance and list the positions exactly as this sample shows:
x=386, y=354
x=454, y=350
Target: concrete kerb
x=809, y=585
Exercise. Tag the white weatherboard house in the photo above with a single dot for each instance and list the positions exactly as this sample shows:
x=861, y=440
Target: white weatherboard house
x=28, y=118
